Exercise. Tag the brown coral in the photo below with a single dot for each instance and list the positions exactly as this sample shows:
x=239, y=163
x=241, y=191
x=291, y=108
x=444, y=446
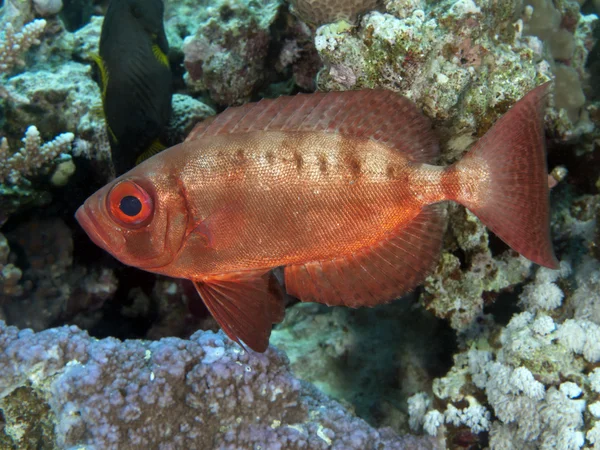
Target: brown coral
x=326, y=11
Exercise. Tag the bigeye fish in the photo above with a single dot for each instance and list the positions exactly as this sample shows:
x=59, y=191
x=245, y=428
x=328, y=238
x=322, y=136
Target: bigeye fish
x=135, y=78
x=335, y=187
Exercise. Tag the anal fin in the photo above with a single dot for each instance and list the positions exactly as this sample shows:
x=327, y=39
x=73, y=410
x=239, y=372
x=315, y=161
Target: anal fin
x=376, y=274
x=245, y=304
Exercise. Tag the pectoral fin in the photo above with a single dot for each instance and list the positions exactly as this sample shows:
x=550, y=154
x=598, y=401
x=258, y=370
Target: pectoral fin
x=245, y=304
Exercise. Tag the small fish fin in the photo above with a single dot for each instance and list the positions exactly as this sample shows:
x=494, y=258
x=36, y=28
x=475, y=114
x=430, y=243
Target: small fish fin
x=155, y=147
x=97, y=109
x=516, y=206
x=111, y=133
x=380, y=115
x=199, y=128
x=160, y=56
x=218, y=124
x=245, y=304
x=376, y=274
x=104, y=75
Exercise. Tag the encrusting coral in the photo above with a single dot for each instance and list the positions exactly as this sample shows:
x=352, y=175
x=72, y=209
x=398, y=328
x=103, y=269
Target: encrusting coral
x=462, y=61
x=227, y=54
x=204, y=392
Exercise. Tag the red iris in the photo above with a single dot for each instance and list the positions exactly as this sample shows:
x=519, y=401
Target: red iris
x=129, y=204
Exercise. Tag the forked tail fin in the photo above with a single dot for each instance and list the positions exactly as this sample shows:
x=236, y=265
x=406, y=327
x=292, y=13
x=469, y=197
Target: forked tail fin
x=503, y=180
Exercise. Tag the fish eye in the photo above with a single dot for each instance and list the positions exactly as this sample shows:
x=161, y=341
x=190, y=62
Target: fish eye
x=129, y=204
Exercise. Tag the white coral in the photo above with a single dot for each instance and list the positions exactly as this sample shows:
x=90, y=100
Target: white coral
x=13, y=44
x=433, y=420
x=475, y=416
x=595, y=409
x=594, y=434
x=543, y=325
x=543, y=293
x=32, y=156
x=594, y=377
x=581, y=337
x=570, y=389
x=417, y=407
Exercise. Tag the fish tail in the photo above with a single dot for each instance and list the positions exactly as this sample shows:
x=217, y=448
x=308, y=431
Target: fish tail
x=503, y=180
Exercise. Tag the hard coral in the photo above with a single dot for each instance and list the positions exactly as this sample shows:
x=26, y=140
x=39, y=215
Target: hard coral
x=326, y=11
x=200, y=393
x=227, y=54
x=32, y=156
x=13, y=44
x=464, y=62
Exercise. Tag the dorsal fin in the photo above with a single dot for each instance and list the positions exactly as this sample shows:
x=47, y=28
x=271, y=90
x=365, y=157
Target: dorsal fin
x=380, y=115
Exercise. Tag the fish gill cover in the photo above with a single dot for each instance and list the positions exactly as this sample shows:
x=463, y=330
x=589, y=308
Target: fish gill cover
x=490, y=351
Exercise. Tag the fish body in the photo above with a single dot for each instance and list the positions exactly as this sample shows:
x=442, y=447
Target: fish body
x=337, y=188
x=135, y=77
x=290, y=200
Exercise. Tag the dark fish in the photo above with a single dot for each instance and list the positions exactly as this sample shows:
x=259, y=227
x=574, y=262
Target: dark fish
x=136, y=79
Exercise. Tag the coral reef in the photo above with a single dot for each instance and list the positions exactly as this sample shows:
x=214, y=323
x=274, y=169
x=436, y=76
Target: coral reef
x=463, y=62
x=60, y=387
x=492, y=352
x=48, y=287
x=323, y=11
x=529, y=383
x=458, y=289
x=354, y=362
x=227, y=54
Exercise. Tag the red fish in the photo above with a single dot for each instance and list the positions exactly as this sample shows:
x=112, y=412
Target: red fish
x=335, y=187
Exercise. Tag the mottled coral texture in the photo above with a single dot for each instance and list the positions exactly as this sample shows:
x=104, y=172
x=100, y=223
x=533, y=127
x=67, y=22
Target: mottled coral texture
x=227, y=53
x=324, y=11
x=205, y=392
x=464, y=62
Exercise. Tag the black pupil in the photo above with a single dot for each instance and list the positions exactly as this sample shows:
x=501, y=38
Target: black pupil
x=130, y=206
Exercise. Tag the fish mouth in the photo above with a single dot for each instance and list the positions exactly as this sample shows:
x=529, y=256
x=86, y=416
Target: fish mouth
x=92, y=227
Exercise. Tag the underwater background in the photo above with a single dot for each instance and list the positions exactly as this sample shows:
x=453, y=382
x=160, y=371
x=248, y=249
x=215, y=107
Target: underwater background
x=492, y=351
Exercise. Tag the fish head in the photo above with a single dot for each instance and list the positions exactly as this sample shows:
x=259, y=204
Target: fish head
x=140, y=218
x=148, y=13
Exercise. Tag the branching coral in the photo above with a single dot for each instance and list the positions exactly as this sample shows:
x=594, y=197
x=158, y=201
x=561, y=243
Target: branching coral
x=13, y=44
x=32, y=156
